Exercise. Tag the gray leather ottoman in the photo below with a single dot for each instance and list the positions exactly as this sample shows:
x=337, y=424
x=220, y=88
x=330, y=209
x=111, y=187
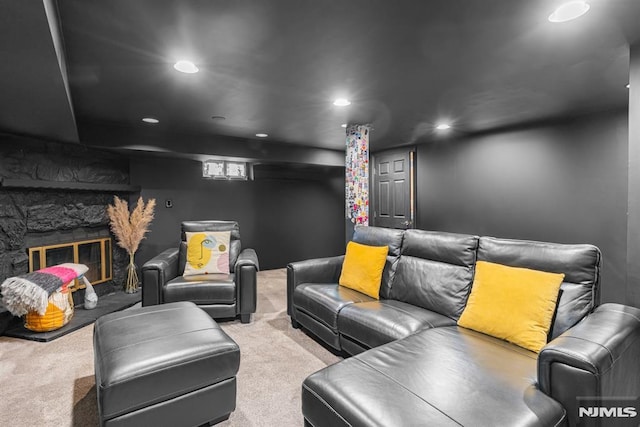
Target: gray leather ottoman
x=164, y=365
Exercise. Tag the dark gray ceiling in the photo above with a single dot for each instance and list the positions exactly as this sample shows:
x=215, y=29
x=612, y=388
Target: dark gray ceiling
x=34, y=94
x=276, y=66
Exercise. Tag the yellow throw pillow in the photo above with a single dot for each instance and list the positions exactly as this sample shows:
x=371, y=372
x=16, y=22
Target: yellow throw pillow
x=207, y=252
x=514, y=304
x=362, y=268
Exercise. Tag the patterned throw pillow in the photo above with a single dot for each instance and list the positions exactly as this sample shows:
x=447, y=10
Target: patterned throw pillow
x=207, y=252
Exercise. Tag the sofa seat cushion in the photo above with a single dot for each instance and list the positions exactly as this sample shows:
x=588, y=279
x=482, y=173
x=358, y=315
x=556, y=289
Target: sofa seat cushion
x=201, y=289
x=440, y=376
x=374, y=323
x=323, y=302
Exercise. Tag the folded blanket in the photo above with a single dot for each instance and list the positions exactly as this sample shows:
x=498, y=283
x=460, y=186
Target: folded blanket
x=31, y=291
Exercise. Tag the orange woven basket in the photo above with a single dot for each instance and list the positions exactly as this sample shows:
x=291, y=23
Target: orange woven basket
x=59, y=313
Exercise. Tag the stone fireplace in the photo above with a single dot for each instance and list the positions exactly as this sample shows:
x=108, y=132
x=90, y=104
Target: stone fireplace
x=52, y=195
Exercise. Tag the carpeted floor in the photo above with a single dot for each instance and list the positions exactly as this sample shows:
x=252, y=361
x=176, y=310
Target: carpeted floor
x=52, y=384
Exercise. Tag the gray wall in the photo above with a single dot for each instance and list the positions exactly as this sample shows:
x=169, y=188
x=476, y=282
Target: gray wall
x=633, y=228
x=283, y=219
x=563, y=182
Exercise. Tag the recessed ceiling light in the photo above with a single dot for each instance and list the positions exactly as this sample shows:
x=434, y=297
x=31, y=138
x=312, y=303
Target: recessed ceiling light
x=150, y=120
x=344, y=125
x=185, y=66
x=628, y=85
x=443, y=126
x=341, y=102
x=262, y=135
x=570, y=10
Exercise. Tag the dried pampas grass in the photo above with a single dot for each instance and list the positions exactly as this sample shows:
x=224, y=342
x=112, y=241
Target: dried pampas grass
x=130, y=229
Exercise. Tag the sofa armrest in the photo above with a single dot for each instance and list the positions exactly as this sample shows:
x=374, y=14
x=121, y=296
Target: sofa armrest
x=318, y=270
x=596, y=358
x=246, y=270
x=155, y=273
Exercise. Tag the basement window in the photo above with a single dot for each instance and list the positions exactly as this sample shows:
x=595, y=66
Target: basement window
x=221, y=169
x=213, y=169
x=236, y=170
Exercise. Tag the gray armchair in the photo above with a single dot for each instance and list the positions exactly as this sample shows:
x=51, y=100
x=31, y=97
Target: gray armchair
x=220, y=296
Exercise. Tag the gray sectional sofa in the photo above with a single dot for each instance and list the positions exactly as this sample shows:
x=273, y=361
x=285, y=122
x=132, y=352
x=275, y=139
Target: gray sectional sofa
x=412, y=365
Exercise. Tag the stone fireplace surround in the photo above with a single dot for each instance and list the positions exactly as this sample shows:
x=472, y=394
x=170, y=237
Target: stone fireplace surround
x=57, y=193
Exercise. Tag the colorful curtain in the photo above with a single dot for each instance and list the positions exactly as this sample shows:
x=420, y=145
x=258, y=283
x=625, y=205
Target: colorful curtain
x=357, y=174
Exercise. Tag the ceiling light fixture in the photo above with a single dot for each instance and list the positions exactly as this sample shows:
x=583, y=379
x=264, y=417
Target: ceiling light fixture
x=262, y=135
x=569, y=11
x=185, y=66
x=443, y=126
x=150, y=120
x=344, y=125
x=341, y=102
x=628, y=85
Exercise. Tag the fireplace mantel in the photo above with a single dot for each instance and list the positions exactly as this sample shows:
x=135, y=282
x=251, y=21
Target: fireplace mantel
x=66, y=185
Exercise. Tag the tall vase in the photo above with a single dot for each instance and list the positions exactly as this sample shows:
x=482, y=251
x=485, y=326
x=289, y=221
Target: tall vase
x=131, y=286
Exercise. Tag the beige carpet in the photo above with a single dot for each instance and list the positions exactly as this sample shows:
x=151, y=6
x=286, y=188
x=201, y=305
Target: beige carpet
x=52, y=384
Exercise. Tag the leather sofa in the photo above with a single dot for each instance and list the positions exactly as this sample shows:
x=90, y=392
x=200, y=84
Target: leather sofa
x=412, y=365
x=221, y=297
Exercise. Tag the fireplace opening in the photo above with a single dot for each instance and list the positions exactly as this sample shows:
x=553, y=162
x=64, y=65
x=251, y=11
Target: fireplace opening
x=95, y=254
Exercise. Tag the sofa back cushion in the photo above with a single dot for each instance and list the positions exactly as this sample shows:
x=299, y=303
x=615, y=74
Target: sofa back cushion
x=579, y=263
x=200, y=226
x=379, y=236
x=435, y=271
